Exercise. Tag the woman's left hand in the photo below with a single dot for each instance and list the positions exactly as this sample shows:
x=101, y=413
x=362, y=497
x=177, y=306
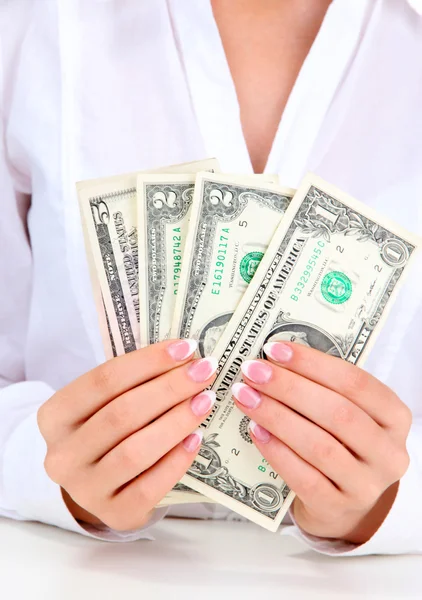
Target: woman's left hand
x=335, y=434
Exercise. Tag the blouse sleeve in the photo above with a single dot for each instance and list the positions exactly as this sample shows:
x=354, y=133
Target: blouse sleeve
x=26, y=492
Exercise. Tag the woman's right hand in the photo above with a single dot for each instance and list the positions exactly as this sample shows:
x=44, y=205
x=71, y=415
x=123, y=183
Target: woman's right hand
x=121, y=436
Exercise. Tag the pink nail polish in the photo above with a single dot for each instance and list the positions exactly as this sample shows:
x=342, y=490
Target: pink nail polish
x=261, y=434
x=246, y=395
x=257, y=371
x=193, y=441
x=181, y=349
x=202, y=369
x=278, y=351
x=202, y=403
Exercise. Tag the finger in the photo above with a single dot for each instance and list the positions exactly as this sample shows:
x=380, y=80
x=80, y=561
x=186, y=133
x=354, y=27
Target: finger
x=140, y=406
x=144, y=448
x=83, y=397
x=340, y=376
x=309, y=484
x=329, y=410
x=129, y=505
x=311, y=443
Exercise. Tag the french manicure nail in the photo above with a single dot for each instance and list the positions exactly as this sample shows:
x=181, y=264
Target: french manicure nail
x=257, y=371
x=202, y=403
x=193, y=441
x=261, y=434
x=181, y=349
x=278, y=351
x=202, y=369
x=246, y=395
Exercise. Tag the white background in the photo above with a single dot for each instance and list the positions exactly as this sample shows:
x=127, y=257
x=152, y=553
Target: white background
x=192, y=559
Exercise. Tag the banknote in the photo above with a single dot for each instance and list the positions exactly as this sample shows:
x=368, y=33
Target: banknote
x=327, y=281
x=109, y=215
x=120, y=332
x=164, y=208
x=232, y=222
x=181, y=494
x=104, y=323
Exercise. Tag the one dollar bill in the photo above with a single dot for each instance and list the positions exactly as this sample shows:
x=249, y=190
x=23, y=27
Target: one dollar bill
x=232, y=222
x=327, y=281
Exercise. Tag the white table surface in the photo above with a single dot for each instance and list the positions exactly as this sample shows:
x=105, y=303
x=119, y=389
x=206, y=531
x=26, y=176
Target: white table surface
x=192, y=559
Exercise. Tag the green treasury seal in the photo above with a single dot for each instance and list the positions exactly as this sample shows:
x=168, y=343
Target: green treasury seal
x=336, y=287
x=249, y=265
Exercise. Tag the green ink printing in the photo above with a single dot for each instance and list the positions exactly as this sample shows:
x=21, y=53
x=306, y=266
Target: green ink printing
x=336, y=287
x=249, y=265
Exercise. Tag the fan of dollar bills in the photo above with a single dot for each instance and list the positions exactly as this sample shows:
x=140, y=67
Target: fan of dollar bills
x=235, y=261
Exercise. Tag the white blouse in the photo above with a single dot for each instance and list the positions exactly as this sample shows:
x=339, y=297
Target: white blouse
x=90, y=88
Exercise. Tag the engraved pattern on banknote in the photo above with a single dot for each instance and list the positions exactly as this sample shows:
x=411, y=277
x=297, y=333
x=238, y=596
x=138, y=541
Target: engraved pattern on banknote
x=286, y=329
x=221, y=203
x=264, y=497
x=110, y=333
x=101, y=215
x=164, y=204
x=322, y=215
x=180, y=487
x=318, y=215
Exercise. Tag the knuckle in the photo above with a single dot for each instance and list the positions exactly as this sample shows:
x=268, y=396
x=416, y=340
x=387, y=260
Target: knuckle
x=113, y=419
x=356, y=380
x=344, y=413
x=127, y=461
x=56, y=465
x=183, y=419
x=170, y=391
x=104, y=377
x=42, y=419
x=306, y=360
x=281, y=415
x=288, y=388
x=310, y=487
x=324, y=451
x=405, y=416
x=144, y=496
x=47, y=417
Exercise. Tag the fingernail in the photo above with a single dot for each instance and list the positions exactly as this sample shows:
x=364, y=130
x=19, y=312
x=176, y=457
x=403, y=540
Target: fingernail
x=278, y=351
x=193, y=441
x=261, y=434
x=246, y=395
x=181, y=349
x=202, y=403
x=257, y=371
x=202, y=369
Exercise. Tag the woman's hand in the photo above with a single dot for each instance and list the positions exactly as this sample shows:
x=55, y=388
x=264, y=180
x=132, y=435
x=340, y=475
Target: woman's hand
x=120, y=437
x=334, y=433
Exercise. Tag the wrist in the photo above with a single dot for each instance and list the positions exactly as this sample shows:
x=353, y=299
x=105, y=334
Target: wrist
x=352, y=527
x=369, y=524
x=79, y=513
x=83, y=516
